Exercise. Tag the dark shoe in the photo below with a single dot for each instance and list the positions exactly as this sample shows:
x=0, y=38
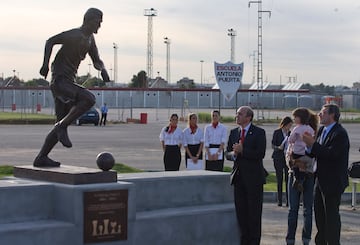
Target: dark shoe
x=62, y=135
x=279, y=204
x=45, y=161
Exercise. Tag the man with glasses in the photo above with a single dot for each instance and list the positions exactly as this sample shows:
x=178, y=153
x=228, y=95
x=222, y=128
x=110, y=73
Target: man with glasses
x=331, y=150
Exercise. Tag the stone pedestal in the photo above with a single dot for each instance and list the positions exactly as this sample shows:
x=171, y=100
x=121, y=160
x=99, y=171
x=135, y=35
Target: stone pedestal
x=66, y=174
x=70, y=206
x=43, y=213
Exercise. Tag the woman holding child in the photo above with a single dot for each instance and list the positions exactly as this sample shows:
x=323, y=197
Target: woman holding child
x=301, y=177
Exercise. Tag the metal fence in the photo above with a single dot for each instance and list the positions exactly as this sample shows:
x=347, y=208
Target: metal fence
x=34, y=99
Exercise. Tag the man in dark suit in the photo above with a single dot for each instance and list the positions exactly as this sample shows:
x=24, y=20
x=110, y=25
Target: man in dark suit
x=246, y=147
x=331, y=150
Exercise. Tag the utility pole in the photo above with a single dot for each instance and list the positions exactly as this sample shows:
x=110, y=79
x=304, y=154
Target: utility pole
x=150, y=13
x=232, y=34
x=167, y=41
x=259, y=53
x=254, y=65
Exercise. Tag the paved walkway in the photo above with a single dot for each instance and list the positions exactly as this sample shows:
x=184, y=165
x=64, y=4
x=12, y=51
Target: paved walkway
x=274, y=225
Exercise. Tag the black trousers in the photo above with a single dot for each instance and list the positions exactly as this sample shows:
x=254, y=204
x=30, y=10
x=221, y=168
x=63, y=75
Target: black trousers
x=172, y=158
x=248, y=204
x=103, y=118
x=327, y=217
x=281, y=171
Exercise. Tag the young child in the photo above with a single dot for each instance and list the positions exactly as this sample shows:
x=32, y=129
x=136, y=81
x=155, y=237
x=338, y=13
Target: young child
x=300, y=163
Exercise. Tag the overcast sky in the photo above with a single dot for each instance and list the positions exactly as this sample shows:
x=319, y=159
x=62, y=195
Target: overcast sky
x=315, y=41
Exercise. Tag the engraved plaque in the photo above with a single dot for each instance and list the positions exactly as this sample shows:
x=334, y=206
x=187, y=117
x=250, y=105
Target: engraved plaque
x=105, y=216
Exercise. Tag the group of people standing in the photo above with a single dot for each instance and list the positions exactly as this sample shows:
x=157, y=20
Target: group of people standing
x=313, y=161
x=315, y=158
x=193, y=138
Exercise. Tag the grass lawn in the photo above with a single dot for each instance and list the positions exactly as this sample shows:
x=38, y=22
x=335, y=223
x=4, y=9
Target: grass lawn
x=270, y=185
x=26, y=118
x=6, y=170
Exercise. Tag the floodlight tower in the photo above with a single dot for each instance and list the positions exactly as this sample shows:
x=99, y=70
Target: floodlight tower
x=259, y=53
x=115, y=62
x=167, y=41
x=232, y=34
x=150, y=13
x=201, y=72
x=254, y=65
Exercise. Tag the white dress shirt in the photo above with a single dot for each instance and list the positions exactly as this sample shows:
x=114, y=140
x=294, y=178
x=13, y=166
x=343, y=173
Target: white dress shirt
x=175, y=138
x=215, y=136
x=192, y=139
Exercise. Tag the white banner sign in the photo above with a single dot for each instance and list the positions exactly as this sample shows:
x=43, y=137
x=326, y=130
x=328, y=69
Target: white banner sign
x=228, y=77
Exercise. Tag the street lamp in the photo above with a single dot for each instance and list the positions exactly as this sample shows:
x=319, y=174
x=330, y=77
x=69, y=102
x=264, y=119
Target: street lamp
x=201, y=72
x=232, y=35
x=167, y=41
x=115, y=62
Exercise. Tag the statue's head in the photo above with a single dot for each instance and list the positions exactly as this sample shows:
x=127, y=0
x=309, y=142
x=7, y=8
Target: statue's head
x=92, y=14
x=92, y=20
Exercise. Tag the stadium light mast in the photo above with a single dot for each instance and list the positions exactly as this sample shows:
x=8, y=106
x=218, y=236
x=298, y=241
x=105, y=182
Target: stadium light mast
x=259, y=51
x=167, y=41
x=232, y=35
x=201, y=72
x=115, y=62
x=150, y=13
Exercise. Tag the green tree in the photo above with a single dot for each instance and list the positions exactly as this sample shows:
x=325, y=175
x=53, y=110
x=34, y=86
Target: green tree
x=320, y=88
x=139, y=80
x=94, y=82
x=37, y=82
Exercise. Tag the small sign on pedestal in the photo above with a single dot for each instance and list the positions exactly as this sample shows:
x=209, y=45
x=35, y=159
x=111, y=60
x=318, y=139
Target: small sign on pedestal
x=105, y=216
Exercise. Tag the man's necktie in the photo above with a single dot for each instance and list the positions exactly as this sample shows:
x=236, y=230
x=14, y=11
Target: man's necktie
x=242, y=136
x=322, y=136
x=321, y=141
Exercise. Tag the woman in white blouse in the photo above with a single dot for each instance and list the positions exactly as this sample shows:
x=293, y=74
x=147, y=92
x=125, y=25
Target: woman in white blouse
x=193, y=141
x=214, y=140
x=171, y=141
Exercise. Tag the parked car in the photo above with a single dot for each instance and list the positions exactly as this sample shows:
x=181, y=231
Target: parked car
x=89, y=117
